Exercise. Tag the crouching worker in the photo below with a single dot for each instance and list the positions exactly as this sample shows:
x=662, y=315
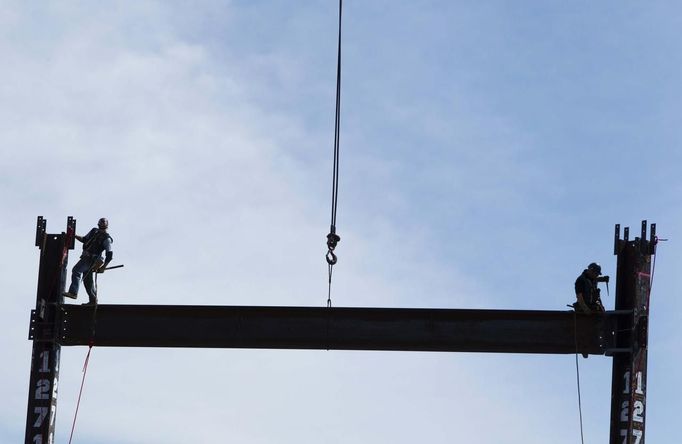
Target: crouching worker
x=588, y=299
x=95, y=243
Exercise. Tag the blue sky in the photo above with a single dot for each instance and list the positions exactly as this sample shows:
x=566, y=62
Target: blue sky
x=487, y=150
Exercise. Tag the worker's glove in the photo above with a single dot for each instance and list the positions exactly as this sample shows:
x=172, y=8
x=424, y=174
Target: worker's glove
x=101, y=269
x=600, y=306
x=584, y=308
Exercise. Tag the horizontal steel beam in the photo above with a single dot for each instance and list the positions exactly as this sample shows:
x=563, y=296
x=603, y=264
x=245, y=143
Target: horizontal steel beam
x=407, y=329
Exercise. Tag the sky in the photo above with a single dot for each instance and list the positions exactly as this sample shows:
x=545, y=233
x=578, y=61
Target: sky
x=486, y=151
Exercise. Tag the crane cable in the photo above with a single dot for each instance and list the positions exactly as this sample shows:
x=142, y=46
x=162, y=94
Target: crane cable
x=332, y=238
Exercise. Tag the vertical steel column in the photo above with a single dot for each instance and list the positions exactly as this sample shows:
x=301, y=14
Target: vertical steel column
x=628, y=387
x=42, y=391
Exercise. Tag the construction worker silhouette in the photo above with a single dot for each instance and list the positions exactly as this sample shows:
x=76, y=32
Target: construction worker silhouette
x=95, y=243
x=588, y=298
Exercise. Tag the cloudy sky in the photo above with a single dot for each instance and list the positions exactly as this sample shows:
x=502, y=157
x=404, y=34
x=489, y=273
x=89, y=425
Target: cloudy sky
x=487, y=150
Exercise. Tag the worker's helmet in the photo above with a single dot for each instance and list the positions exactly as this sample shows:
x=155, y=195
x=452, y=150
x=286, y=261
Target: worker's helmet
x=595, y=267
x=103, y=223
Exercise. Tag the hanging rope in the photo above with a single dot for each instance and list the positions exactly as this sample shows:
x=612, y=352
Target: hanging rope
x=91, y=343
x=577, y=374
x=332, y=238
x=78, y=403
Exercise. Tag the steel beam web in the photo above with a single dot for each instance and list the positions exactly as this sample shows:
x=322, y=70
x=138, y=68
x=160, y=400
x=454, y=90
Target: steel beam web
x=405, y=329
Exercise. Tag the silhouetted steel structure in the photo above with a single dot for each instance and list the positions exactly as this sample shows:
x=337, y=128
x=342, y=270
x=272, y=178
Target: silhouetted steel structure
x=42, y=392
x=621, y=333
x=403, y=329
x=633, y=284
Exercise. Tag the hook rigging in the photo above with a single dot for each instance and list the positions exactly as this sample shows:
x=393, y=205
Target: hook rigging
x=333, y=238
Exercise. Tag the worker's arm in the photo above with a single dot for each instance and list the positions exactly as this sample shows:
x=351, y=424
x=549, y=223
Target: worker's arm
x=108, y=256
x=581, y=303
x=598, y=303
x=87, y=236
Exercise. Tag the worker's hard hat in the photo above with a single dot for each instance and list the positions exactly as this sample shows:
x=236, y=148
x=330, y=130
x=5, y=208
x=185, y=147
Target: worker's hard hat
x=103, y=223
x=595, y=267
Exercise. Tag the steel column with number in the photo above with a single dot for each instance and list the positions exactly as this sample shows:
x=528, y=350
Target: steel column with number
x=42, y=391
x=628, y=389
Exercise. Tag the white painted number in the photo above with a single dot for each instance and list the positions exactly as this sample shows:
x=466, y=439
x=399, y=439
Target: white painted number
x=638, y=435
x=53, y=410
x=45, y=362
x=639, y=389
x=43, y=389
x=38, y=439
x=42, y=413
x=638, y=411
x=624, y=411
x=626, y=376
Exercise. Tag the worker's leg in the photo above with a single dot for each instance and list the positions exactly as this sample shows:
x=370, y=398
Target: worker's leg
x=90, y=283
x=82, y=266
x=62, y=275
x=90, y=286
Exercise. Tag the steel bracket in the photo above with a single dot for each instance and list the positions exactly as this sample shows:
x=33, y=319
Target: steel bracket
x=39, y=330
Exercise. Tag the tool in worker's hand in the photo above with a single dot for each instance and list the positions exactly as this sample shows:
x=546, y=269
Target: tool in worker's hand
x=101, y=270
x=604, y=279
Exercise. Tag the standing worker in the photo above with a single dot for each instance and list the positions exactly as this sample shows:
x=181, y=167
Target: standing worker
x=94, y=243
x=586, y=291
